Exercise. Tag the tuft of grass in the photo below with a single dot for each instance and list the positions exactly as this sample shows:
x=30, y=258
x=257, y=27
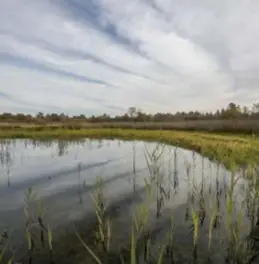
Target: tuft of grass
x=195, y=224
x=214, y=213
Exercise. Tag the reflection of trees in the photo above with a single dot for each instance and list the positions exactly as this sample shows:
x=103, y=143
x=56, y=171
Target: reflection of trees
x=61, y=145
x=89, y=144
x=92, y=144
x=39, y=143
x=100, y=143
x=5, y=152
x=6, y=158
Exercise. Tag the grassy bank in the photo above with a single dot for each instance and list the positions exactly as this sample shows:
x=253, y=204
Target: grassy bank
x=240, y=149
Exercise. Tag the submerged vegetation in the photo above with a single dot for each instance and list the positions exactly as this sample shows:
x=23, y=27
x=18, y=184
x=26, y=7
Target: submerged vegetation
x=219, y=222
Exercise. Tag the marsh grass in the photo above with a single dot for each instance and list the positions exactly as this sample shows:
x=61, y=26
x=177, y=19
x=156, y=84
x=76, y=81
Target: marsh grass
x=4, y=243
x=223, y=148
x=195, y=225
x=212, y=220
x=170, y=243
x=38, y=235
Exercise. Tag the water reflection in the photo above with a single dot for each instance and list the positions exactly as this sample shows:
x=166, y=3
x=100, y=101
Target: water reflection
x=6, y=157
x=55, y=147
x=31, y=162
x=63, y=174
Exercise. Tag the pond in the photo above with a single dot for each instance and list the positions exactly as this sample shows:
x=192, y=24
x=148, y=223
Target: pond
x=176, y=185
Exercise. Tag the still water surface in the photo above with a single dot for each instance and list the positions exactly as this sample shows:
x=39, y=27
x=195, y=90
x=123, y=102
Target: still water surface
x=62, y=173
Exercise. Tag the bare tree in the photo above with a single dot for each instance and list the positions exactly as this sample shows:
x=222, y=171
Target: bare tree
x=132, y=112
x=256, y=108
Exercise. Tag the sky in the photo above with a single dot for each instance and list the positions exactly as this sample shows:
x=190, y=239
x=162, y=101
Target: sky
x=95, y=56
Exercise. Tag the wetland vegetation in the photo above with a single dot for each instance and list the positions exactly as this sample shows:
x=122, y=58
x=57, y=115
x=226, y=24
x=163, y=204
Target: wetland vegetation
x=233, y=118
x=130, y=189
x=112, y=201
x=225, y=148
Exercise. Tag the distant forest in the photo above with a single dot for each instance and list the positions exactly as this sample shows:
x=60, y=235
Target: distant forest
x=232, y=111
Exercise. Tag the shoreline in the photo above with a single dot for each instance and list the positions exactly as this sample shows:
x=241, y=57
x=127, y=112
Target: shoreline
x=228, y=149
x=118, y=218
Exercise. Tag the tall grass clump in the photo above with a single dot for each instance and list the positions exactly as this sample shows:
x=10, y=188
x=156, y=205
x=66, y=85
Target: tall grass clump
x=230, y=205
x=102, y=232
x=35, y=228
x=157, y=176
x=195, y=225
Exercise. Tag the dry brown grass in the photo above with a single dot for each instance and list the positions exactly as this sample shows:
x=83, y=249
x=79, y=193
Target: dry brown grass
x=232, y=126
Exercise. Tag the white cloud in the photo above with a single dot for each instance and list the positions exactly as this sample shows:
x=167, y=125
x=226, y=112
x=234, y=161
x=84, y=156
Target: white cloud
x=165, y=56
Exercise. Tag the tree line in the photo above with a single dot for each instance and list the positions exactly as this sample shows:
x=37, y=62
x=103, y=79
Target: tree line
x=232, y=111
